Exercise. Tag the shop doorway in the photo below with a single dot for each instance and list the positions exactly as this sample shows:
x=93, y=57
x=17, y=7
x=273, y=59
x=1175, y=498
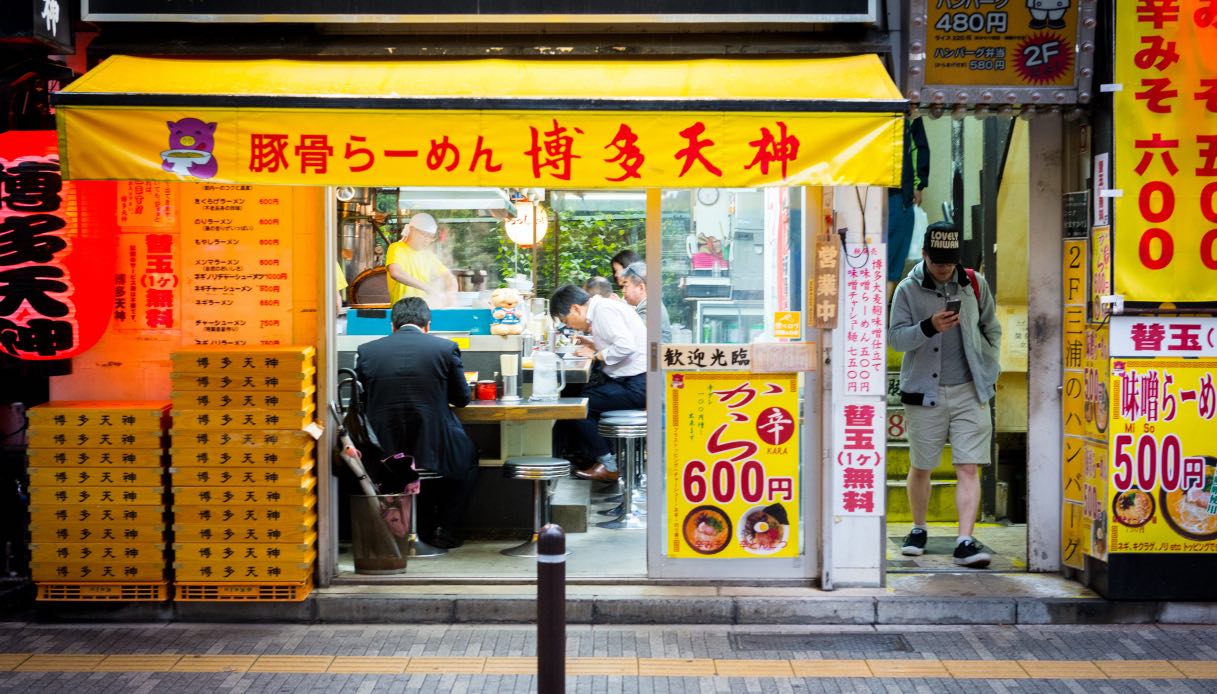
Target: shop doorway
x=721, y=267
x=978, y=181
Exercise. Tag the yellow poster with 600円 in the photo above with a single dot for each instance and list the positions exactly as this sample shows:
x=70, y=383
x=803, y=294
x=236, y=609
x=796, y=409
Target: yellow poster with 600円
x=733, y=485
x=1161, y=495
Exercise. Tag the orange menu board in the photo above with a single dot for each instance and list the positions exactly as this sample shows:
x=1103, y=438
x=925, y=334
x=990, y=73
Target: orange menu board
x=236, y=259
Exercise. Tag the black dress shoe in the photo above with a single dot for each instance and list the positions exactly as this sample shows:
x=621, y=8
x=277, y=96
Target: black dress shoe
x=445, y=540
x=1038, y=23
x=597, y=472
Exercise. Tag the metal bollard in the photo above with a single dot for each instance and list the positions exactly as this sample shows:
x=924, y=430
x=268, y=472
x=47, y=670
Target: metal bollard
x=551, y=610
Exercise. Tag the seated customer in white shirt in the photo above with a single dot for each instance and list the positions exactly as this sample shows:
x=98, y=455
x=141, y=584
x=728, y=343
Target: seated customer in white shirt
x=618, y=340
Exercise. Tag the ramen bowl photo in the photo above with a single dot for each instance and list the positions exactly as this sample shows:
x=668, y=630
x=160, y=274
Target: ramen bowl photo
x=1187, y=511
x=763, y=529
x=1132, y=508
x=183, y=159
x=707, y=529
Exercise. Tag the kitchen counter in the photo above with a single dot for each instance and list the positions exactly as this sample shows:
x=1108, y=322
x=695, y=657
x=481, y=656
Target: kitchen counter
x=522, y=410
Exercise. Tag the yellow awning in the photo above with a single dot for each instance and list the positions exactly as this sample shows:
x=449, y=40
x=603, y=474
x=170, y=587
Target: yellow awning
x=486, y=122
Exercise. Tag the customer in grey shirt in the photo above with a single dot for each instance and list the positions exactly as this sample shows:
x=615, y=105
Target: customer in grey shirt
x=634, y=289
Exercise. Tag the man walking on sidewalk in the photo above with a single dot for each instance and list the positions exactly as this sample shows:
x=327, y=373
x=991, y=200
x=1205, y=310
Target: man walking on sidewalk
x=943, y=319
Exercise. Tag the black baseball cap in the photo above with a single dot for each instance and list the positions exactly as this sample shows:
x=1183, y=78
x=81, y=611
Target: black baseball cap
x=942, y=243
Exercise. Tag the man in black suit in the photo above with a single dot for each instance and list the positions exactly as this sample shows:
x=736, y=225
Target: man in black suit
x=410, y=379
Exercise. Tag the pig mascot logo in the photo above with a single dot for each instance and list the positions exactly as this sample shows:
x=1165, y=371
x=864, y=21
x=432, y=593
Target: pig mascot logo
x=190, y=144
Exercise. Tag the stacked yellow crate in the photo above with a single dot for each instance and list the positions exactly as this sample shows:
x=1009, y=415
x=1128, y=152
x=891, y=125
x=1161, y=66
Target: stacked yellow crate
x=244, y=490
x=97, y=500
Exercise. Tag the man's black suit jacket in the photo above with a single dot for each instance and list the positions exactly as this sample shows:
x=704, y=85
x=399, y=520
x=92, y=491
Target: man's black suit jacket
x=410, y=379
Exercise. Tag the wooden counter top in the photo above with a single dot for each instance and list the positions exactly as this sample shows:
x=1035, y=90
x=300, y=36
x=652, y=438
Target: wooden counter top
x=524, y=410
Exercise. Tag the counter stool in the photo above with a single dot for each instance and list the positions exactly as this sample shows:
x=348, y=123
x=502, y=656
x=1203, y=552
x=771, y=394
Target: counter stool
x=418, y=548
x=541, y=471
x=640, y=468
x=624, y=432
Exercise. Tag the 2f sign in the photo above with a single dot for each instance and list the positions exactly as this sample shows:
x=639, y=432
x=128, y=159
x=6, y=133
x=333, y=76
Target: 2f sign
x=1156, y=203
x=1042, y=54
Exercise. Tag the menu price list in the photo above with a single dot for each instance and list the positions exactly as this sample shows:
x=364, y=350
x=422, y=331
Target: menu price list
x=238, y=265
x=243, y=471
x=97, y=500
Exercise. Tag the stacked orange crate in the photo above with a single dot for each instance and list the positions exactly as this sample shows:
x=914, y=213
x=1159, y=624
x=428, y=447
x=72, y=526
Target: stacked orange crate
x=97, y=500
x=244, y=489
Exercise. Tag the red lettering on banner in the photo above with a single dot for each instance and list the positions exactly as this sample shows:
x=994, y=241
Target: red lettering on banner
x=715, y=446
x=365, y=153
x=1208, y=249
x=857, y=501
x=629, y=156
x=1168, y=398
x=1185, y=337
x=1158, y=12
x=1157, y=143
x=1208, y=202
x=1208, y=152
x=1166, y=250
x=1147, y=337
x=1159, y=54
x=557, y=148
x=267, y=152
x=743, y=390
x=1149, y=395
x=1145, y=201
x=782, y=149
x=314, y=152
x=1209, y=94
x=693, y=152
x=439, y=152
x=1206, y=15
x=479, y=150
x=775, y=426
x=858, y=478
x=1156, y=94
x=1207, y=404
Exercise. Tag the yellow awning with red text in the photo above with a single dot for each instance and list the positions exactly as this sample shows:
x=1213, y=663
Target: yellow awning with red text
x=738, y=122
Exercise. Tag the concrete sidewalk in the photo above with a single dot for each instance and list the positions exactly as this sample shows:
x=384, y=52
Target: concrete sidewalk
x=909, y=599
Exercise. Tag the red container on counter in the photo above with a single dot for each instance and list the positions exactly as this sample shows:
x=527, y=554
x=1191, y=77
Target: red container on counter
x=485, y=390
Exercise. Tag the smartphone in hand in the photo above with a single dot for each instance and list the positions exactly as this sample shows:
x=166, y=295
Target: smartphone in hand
x=953, y=306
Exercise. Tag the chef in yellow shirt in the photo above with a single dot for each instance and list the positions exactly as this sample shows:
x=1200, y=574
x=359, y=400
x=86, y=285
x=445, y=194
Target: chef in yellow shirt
x=413, y=267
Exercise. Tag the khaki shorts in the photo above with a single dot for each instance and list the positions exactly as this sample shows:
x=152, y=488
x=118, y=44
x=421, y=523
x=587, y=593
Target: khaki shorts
x=961, y=418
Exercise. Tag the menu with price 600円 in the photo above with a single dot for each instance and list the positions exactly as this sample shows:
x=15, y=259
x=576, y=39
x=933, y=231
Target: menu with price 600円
x=236, y=251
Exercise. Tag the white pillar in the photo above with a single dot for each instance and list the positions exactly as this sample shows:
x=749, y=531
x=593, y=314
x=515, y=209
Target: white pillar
x=1044, y=316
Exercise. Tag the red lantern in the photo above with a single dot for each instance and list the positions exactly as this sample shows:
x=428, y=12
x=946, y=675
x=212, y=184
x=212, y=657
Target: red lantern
x=57, y=246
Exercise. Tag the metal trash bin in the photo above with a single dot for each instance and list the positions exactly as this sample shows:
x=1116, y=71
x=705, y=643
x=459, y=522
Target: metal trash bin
x=380, y=533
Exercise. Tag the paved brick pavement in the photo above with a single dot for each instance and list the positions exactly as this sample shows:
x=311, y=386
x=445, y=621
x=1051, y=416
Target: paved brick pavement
x=84, y=659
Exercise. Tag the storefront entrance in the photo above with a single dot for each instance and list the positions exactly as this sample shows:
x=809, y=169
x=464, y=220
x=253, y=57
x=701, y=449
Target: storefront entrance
x=736, y=195
x=978, y=181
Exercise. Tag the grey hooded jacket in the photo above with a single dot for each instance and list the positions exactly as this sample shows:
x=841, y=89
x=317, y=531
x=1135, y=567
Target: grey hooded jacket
x=910, y=330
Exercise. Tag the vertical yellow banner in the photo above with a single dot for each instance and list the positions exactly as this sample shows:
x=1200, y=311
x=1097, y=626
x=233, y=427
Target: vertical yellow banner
x=1165, y=242
x=733, y=485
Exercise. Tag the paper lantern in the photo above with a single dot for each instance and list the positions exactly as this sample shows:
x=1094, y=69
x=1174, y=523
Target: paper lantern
x=529, y=225
x=57, y=247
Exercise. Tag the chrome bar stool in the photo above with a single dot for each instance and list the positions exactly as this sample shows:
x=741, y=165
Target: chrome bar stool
x=639, y=463
x=625, y=430
x=418, y=548
x=541, y=471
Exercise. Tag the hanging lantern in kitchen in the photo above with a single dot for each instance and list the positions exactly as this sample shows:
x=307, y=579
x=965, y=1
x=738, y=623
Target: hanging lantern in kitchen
x=529, y=226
